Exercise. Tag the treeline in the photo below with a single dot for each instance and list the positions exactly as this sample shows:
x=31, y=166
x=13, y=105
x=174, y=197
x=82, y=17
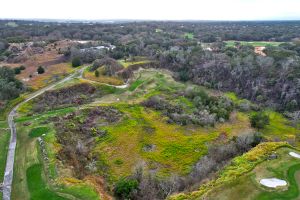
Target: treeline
x=202, y=31
x=271, y=80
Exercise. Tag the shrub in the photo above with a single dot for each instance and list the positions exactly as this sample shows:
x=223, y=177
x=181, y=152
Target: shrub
x=259, y=120
x=183, y=75
x=76, y=62
x=17, y=70
x=22, y=67
x=97, y=73
x=125, y=187
x=40, y=70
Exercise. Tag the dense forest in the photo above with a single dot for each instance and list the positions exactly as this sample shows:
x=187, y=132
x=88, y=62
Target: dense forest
x=282, y=31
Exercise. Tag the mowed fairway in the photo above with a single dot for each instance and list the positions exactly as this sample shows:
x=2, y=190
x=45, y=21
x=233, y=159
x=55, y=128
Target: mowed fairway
x=36, y=185
x=247, y=187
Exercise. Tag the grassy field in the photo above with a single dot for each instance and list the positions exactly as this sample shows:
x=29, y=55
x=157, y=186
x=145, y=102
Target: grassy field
x=177, y=148
x=231, y=43
x=279, y=127
x=139, y=61
x=112, y=80
x=4, y=142
x=52, y=74
x=37, y=186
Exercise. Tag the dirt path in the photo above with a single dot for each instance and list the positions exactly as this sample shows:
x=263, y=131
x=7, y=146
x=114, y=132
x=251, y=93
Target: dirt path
x=8, y=175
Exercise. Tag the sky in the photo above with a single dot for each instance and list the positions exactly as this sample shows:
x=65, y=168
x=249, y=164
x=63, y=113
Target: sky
x=152, y=9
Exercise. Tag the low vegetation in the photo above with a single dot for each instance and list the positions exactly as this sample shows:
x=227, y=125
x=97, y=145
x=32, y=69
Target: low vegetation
x=73, y=95
x=239, y=166
x=259, y=120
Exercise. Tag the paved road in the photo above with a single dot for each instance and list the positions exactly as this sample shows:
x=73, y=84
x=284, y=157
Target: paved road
x=8, y=175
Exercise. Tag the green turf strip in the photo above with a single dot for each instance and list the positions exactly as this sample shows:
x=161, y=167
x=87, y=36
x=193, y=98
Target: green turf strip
x=36, y=185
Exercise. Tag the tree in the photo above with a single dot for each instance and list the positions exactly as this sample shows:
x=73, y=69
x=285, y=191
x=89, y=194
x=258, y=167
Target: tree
x=259, y=120
x=10, y=87
x=183, y=75
x=17, y=70
x=124, y=187
x=22, y=67
x=97, y=73
x=76, y=62
x=40, y=70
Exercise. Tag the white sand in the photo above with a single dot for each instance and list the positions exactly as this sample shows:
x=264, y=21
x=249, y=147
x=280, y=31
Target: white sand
x=294, y=154
x=273, y=182
x=121, y=86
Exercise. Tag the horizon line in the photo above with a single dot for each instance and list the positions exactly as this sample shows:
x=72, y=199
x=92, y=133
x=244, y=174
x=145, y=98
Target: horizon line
x=143, y=20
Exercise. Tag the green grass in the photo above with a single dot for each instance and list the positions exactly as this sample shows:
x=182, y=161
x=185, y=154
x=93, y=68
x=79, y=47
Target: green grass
x=284, y=167
x=231, y=43
x=128, y=63
x=232, y=96
x=177, y=147
x=26, y=156
x=81, y=191
x=4, y=141
x=188, y=35
x=230, y=175
x=37, y=186
x=279, y=127
x=135, y=84
x=30, y=180
x=38, y=131
x=45, y=115
x=3, y=124
x=293, y=189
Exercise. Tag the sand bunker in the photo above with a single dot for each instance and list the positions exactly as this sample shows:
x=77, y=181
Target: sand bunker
x=273, y=182
x=294, y=154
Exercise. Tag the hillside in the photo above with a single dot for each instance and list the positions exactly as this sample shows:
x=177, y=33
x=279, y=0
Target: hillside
x=150, y=110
